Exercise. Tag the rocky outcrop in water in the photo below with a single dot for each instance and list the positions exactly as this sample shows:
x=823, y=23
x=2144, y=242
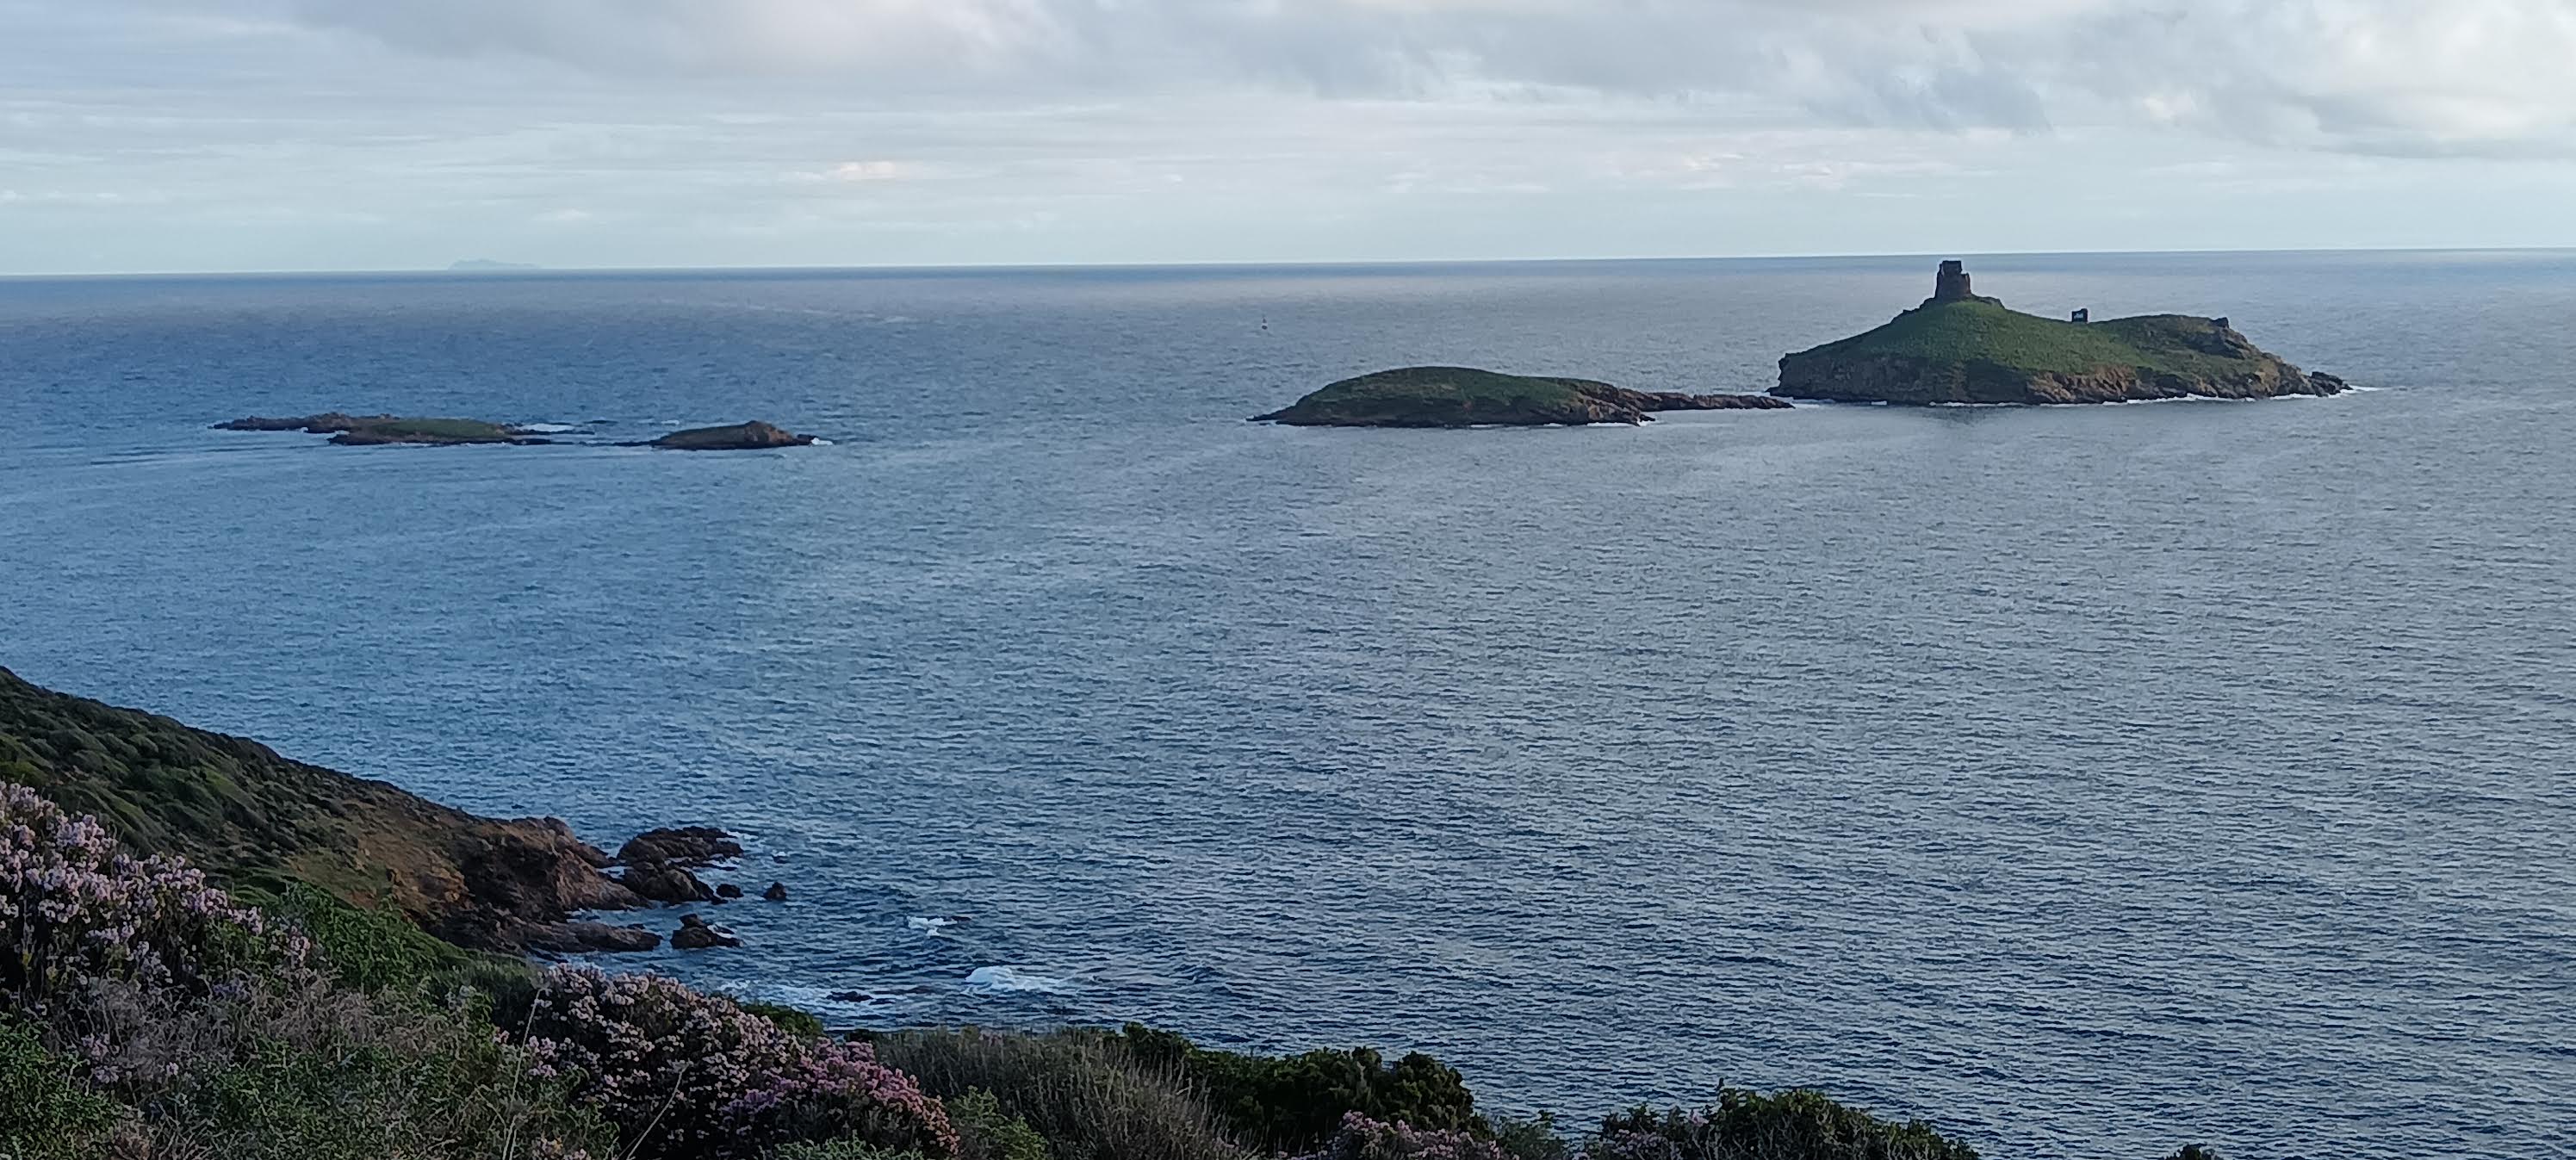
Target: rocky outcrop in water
x=573, y=938
x=378, y=430
x=695, y=934
x=697, y=847
x=752, y=436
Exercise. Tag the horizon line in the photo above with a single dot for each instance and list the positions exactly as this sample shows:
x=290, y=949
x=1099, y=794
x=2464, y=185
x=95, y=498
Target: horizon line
x=507, y=270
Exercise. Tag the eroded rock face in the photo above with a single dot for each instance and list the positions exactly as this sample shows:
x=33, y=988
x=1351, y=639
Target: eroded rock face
x=691, y=846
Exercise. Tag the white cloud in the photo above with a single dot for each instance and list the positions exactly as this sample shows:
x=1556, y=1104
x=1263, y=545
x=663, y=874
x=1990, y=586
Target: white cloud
x=331, y=133
x=2402, y=76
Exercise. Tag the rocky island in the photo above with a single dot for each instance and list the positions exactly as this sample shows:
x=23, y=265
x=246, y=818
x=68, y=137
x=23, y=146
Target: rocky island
x=1959, y=347
x=377, y=430
x=751, y=436
x=1465, y=397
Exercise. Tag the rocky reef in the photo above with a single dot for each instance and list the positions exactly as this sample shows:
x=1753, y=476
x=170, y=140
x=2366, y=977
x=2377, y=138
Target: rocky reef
x=751, y=436
x=1959, y=347
x=1466, y=397
x=378, y=430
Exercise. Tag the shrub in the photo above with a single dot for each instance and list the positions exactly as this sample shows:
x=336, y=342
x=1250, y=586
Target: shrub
x=1361, y=1138
x=372, y=950
x=45, y=1112
x=1087, y=1095
x=1535, y=1138
x=682, y=1073
x=1793, y=1125
x=788, y=1019
x=986, y=1132
x=1298, y=1102
x=76, y=909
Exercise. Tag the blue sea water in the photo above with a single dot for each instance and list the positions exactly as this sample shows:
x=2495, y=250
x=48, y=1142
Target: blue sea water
x=2086, y=780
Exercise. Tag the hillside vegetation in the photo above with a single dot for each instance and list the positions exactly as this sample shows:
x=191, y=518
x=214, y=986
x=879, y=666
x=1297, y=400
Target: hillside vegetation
x=240, y=811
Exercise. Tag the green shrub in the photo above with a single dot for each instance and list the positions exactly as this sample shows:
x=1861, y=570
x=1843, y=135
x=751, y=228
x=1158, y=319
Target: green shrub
x=45, y=1113
x=401, y=1088
x=986, y=1132
x=1535, y=1138
x=1089, y=1096
x=804, y=1024
x=371, y=950
x=1295, y=1103
x=1793, y=1125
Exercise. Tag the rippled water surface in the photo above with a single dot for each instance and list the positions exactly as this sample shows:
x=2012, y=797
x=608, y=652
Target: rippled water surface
x=2088, y=780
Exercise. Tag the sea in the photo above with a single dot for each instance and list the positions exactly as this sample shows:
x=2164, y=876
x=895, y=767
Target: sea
x=2086, y=781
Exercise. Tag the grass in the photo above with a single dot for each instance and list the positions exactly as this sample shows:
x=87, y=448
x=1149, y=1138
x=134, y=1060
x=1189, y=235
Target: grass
x=1088, y=1095
x=1961, y=332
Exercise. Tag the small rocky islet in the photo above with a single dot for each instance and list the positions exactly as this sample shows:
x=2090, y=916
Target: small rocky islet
x=1961, y=347
x=1467, y=397
x=382, y=430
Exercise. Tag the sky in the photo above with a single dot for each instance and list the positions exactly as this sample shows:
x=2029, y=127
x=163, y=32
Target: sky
x=231, y=135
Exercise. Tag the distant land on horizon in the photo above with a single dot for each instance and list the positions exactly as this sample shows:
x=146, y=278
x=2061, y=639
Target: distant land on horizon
x=489, y=265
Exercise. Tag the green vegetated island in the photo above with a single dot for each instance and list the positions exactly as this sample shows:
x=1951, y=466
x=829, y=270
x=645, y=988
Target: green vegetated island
x=1466, y=397
x=1960, y=347
x=1957, y=347
x=210, y=949
x=381, y=430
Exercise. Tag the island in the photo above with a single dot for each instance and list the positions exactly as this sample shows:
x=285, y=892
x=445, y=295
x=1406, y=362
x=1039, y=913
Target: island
x=378, y=430
x=1466, y=397
x=751, y=436
x=1960, y=347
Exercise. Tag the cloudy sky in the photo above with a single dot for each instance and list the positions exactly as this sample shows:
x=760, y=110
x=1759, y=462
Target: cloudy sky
x=181, y=135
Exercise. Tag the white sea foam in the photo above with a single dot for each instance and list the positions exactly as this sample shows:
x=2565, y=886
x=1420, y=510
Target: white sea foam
x=1016, y=980
x=928, y=925
x=549, y=428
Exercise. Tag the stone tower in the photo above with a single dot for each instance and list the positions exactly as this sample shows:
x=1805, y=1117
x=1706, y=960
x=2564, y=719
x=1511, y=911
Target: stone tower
x=1952, y=285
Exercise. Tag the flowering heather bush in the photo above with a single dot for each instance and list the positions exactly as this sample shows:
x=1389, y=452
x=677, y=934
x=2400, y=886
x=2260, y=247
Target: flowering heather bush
x=689, y=1074
x=1361, y=1138
x=76, y=908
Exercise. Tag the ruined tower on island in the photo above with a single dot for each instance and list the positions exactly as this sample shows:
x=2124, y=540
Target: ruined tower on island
x=1953, y=286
